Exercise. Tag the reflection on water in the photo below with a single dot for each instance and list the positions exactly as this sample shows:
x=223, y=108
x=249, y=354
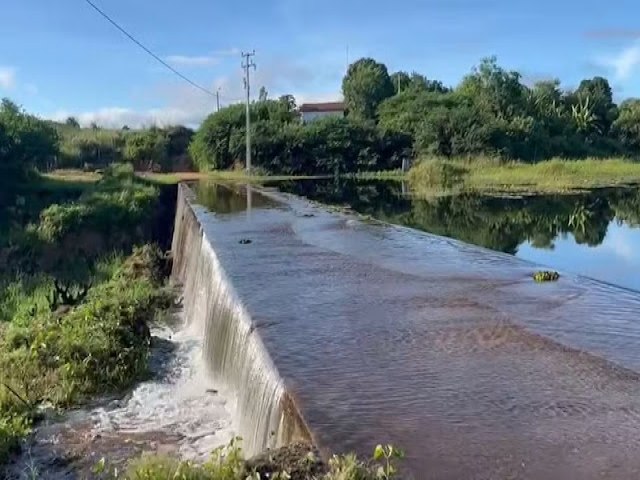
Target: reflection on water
x=383, y=334
x=591, y=234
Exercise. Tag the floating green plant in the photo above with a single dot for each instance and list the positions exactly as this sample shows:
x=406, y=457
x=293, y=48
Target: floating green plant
x=546, y=276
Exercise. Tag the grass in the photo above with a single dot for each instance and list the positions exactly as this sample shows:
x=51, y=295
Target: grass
x=60, y=358
x=381, y=175
x=81, y=177
x=74, y=310
x=295, y=462
x=552, y=176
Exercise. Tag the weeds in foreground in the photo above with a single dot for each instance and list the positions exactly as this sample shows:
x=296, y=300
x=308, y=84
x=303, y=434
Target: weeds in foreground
x=227, y=463
x=100, y=345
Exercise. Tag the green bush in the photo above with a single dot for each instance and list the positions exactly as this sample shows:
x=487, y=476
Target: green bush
x=118, y=203
x=101, y=345
x=26, y=144
x=437, y=173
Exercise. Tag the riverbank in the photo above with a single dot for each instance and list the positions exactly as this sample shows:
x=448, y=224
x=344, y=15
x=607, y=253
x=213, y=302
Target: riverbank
x=434, y=175
x=83, y=281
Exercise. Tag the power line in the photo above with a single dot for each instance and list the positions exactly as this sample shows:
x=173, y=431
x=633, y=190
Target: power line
x=156, y=57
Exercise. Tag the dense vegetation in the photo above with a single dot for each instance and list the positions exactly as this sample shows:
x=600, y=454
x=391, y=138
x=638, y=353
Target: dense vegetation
x=281, y=144
x=79, y=286
x=158, y=149
x=391, y=116
x=492, y=112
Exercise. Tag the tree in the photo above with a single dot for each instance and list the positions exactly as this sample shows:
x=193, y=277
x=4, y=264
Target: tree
x=494, y=89
x=419, y=82
x=211, y=148
x=263, y=95
x=94, y=126
x=72, y=122
x=597, y=92
x=400, y=82
x=146, y=149
x=626, y=127
x=125, y=128
x=26, y=143
x=365, y=86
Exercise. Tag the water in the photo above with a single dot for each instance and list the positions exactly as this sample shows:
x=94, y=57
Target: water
x=179, y=411
x=234, y=354
x=594, y=234
x=376, y=333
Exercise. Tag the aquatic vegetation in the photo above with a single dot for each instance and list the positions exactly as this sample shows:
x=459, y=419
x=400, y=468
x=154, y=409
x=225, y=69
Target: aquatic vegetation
x=546, y=276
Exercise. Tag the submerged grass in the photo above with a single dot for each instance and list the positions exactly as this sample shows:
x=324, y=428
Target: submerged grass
x=486, y=175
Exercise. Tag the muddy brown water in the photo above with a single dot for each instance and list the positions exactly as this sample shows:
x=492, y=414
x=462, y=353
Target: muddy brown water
x=449, y=351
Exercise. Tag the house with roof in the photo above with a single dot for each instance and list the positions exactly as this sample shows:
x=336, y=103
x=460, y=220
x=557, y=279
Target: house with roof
x=313, y=111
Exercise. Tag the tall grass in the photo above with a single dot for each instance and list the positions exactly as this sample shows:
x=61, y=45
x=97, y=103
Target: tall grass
x=492, y=175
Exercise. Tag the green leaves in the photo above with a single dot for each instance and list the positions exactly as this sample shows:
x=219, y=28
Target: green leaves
x=365, y=86
x=387, y=455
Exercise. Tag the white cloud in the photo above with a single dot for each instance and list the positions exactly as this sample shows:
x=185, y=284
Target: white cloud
x=200, y=60
x=7, y=77
x=186, y=61
x=624, y=63
x=179, y=103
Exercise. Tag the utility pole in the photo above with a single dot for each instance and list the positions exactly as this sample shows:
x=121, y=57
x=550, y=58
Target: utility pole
x=247, y=63
x=218, y=99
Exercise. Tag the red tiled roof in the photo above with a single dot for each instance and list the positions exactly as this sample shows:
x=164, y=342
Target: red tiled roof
x=322, y=107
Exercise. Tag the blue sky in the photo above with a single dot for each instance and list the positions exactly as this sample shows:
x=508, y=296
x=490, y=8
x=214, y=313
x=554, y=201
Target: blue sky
x=61, y=58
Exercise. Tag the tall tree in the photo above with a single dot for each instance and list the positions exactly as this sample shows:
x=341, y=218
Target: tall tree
x=627, y=126
x=263, y=95
x=400, y=81
x=420, y=83
x=365, y=86
x=494, y=89
x=598, y=92
x=72, y=122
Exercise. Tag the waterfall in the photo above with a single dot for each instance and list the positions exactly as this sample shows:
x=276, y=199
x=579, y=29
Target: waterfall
x=235, y=356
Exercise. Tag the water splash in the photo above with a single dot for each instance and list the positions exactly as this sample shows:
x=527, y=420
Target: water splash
x=234, y=354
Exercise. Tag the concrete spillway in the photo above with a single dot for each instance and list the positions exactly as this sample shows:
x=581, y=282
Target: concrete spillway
x=347, y=333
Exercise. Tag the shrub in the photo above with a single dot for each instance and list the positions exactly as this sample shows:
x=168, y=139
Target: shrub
x=101, y=345
x=433, y=172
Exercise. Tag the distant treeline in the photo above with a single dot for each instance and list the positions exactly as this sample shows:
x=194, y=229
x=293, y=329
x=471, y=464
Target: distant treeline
x=155, y=148
x=390, y=116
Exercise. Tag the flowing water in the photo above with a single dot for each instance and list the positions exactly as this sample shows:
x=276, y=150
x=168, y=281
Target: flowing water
x=352, y=333
x=301, y=323
x=179, y=411
x=590, y=233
